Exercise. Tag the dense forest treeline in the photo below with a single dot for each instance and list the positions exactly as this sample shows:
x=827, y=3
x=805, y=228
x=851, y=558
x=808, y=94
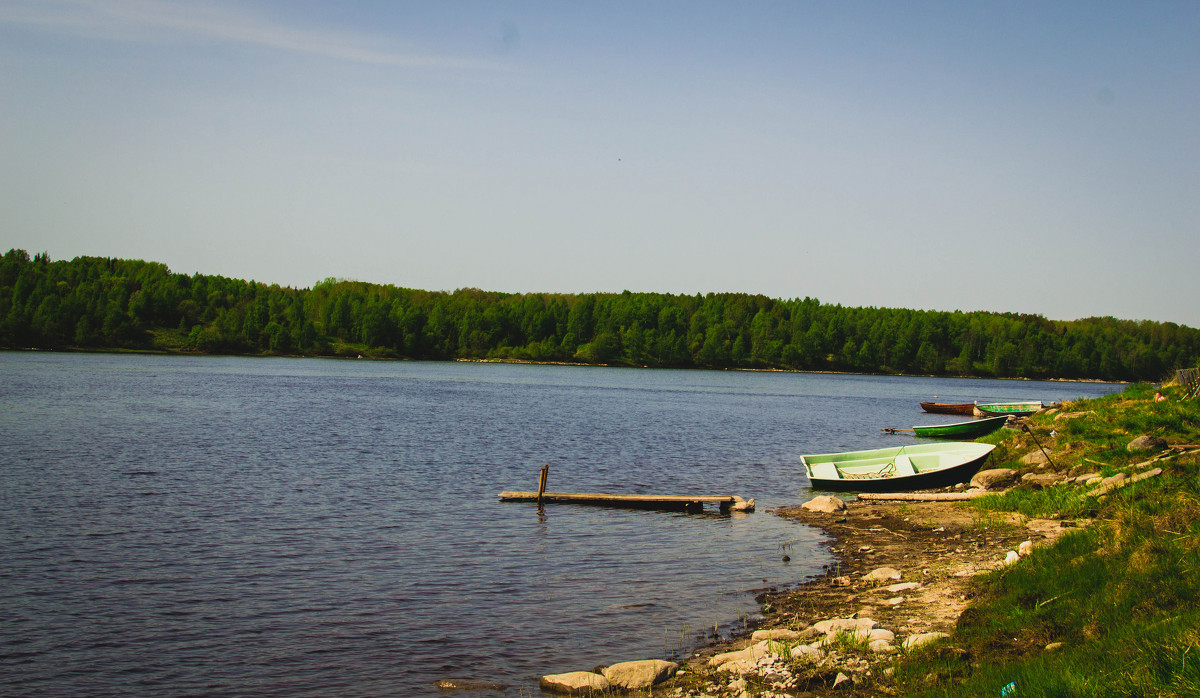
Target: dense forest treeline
x=101, y=303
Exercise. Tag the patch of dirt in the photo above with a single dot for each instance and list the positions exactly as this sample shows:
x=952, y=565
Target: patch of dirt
x=942, y=546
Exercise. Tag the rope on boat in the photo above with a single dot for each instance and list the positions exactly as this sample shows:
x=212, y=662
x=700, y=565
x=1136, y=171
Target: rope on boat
x=888, y=470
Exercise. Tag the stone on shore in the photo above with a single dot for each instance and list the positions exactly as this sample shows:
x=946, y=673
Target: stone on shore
x=903, y=586
x=1025, y=548
x=640, y=674
x=775, y=634
x=1070, y=415
x=1042, y=480
x=881, y=634
x=920, y=639
x=575, y=683
x=1034, y=458
x=883, y=574
x=994, y=479
x=881, y=647
x=824, y=504
x=1147, y=443
x=860, y=627
x=753, y=652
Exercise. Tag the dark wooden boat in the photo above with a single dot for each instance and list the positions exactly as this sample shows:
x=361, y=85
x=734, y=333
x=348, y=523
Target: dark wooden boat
x=966, y=409
x=897, y=469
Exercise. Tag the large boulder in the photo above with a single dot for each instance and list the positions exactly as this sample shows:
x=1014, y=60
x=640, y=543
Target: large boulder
x=575, y=683
x=640, y=674
x=1147, y=443
x=994, y=479
x=824, y=504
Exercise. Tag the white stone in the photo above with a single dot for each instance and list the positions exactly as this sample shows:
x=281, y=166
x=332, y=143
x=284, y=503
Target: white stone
x=575, y=683
x=895, y=601
x=1025, y=548
x=845, y=625
x=914, y=641
x=1034, y=458
x=640, y=674
x=881, y=634
x=807, y=651
x=903, y=586
x=995, y=478
x=882, y=574
x=1011, y=557
x=753, y=653
x=824, y=504
x=746, y=506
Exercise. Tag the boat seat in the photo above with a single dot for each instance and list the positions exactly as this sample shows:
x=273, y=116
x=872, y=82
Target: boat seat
x=904, y=466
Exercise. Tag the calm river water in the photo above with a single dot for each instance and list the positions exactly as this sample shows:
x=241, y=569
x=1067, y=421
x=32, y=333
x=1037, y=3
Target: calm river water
x=219, y=526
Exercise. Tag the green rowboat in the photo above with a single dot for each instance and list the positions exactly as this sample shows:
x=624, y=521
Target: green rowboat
x=896, y=469
x=1019, y=409
x=962, y=430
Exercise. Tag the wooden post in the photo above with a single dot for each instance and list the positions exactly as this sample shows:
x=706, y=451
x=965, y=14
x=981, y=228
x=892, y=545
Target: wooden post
x=542, y=482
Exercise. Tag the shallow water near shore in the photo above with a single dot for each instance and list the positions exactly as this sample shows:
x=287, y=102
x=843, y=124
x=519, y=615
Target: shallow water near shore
x=207, y=525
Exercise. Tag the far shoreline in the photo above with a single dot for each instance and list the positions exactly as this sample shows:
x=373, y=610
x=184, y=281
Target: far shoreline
x=360, y=357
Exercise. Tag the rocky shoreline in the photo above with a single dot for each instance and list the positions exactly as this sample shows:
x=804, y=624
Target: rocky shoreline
x=902, y=578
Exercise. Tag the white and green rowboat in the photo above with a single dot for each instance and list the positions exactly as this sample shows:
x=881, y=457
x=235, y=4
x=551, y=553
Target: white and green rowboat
x=896, y=469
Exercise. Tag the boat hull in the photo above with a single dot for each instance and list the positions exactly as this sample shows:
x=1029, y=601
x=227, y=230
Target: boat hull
x=965, y=409
x=897, y=469
x=962, y=430
x=1016, y=409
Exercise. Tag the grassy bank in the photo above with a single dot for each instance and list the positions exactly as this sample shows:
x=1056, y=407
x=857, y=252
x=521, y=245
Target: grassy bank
x=1108, y=610
x=1104, y=604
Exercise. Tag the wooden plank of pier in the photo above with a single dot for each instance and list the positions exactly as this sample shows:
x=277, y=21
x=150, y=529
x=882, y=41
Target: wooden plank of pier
x=649, y=501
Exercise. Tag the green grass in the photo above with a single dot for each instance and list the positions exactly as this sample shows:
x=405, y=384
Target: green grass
x=1064, y=502
x=1119, y=595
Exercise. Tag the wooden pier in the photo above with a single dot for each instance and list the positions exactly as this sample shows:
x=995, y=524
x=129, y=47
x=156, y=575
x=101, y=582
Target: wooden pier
x=673, y=502
x=682, y=502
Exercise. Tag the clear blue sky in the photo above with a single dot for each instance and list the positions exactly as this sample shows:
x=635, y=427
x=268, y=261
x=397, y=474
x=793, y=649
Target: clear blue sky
x=1035, y=157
